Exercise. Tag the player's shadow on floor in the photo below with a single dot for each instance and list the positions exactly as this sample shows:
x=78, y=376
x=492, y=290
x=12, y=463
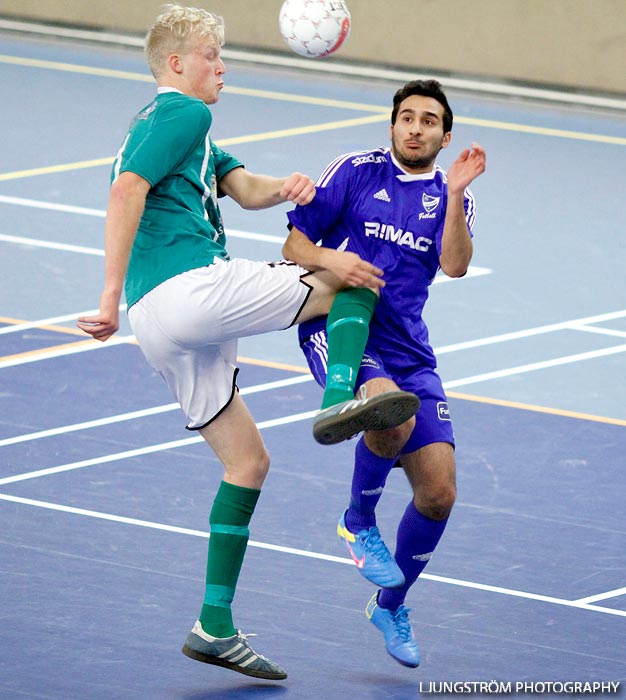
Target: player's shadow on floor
x=255, y=690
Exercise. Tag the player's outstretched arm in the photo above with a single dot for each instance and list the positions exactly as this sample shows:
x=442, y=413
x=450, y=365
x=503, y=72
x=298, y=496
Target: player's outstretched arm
x=126, y=204
x=351, y=270
x=253, y=191
x=456, y=242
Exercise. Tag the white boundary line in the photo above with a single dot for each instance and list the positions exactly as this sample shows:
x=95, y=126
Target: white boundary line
x=582, y=604
x=53, y=245
x=88, y=346
x=568, y=359
x=144, y=413
x=534, y=366
x=474, y=270
x=150, y=449
x=538, y=330
x=490, y=87
x=602, y=596
x=52, y=320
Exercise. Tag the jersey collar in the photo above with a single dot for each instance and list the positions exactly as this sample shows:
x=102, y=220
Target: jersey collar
x=411, y=177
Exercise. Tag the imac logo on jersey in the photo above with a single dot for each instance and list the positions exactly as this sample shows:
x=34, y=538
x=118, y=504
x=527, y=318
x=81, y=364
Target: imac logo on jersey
x=387, y=232
x=443, y=411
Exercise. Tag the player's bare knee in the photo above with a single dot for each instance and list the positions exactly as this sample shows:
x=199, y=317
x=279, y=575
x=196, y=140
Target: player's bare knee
x=263, y=464
x=436, y=504
x=252, y=471
x=388, y=443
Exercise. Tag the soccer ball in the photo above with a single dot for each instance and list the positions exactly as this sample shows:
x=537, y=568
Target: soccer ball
x=314, y=28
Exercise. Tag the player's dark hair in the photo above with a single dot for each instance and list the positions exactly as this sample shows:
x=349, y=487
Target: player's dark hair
x=426, y=88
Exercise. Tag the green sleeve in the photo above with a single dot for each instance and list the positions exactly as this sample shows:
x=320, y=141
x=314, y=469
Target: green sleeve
x=161, y=143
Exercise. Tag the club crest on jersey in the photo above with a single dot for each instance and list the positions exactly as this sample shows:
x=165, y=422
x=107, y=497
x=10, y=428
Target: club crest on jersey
x=429, y=203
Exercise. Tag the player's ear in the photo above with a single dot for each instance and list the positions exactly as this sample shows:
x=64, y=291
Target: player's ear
x=174, y=63
x=446, y=139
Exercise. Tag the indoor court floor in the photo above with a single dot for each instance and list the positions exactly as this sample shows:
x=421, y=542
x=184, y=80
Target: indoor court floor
x=104, y=497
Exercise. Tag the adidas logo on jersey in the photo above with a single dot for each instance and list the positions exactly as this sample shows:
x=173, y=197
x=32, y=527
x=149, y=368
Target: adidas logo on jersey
x=382, y=195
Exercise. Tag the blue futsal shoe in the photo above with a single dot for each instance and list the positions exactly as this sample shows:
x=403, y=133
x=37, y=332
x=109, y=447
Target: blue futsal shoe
x=371, y=555
x=348, y=418
x=395, y=626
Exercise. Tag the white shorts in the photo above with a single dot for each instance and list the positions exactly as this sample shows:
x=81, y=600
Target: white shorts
x=188, y=326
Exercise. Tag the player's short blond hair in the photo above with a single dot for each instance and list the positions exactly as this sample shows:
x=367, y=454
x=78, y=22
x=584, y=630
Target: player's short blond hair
x=175, y=30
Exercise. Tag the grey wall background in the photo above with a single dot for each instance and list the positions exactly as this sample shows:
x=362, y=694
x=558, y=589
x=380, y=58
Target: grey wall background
x=573, y=43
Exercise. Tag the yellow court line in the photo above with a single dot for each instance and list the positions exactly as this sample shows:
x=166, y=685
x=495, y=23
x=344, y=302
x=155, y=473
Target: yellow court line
x=304, y=370
x=56, y=329
x=62, y=168
x=77, y=331
x=43, y=351
x=75, y=68
x=302, y=99
x=144, y=77
x=273, y=365
x=299, y=130
x=307, y=100
x=542, y=131
x=536, y=409
x=317, y=128
x=234, y=140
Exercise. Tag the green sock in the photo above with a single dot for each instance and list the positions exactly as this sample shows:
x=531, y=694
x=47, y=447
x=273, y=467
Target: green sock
x=230, y=516
x=347, y=328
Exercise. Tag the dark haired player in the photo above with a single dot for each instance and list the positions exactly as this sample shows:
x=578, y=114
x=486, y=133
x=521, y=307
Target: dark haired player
x=400, y=211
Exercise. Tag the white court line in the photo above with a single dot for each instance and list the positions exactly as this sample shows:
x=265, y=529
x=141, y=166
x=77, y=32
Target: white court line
x=533, y=366
x=60, y=352
x=498, y=374
x=529, y=332
x=52, y=206
x=308, y=414
x=579, y=604
x=100, y=214
x=603, y=596
x=132, y=415
x=600, y=331
x=85, y=250
x=473, y=271
x=52, y=245
x=160, y=447
x=18, y=327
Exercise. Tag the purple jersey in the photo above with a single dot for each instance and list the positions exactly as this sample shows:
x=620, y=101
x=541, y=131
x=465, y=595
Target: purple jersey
x=365, y=203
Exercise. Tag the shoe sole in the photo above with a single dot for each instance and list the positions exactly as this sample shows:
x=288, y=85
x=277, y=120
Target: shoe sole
x=379, y=413
x=216, y=661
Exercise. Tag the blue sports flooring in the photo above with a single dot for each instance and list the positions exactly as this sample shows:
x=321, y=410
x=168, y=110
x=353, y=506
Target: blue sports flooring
x=104, y=497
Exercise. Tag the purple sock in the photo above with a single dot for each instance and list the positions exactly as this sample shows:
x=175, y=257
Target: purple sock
x=368, y=480
x=417, y=538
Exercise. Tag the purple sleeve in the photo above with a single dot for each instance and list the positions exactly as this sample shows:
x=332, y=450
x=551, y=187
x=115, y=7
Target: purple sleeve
x=320, y=216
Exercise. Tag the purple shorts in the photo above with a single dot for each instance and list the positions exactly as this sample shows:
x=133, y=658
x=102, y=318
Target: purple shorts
x=432, y=422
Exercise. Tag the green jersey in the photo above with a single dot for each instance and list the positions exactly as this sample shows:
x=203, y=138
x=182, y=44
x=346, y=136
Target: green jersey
x=181, y=229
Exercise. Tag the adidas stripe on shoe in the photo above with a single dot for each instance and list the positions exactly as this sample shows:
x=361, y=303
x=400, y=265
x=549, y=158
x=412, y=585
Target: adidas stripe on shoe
x=233, y=653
